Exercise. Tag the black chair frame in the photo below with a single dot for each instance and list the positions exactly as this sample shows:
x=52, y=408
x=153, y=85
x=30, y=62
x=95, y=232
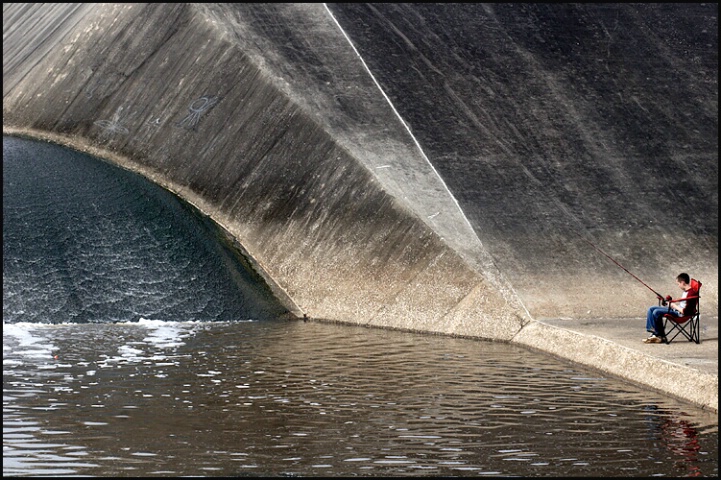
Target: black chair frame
x=688, y=325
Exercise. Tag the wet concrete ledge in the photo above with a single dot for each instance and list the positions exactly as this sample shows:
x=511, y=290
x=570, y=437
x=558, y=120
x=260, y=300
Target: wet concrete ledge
x=686, y=370
x=682, y=369
x=264, y=118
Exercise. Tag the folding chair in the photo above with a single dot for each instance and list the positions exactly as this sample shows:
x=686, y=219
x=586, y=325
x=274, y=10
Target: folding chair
x=689, y=324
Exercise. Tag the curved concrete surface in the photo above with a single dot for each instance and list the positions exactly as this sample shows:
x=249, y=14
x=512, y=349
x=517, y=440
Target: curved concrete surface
x=426, y=167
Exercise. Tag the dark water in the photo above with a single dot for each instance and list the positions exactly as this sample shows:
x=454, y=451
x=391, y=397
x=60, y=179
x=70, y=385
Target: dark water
x=84, y=241
x=294, y=398
x=218, y=384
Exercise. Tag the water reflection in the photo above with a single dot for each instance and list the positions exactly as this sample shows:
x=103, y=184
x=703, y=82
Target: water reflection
x=295, y=398
x=681, y=437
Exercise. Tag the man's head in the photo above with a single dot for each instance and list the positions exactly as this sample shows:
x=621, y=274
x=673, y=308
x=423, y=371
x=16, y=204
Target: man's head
x=683, y=281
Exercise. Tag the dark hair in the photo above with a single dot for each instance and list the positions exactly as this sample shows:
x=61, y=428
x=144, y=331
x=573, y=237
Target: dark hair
x=684, y=277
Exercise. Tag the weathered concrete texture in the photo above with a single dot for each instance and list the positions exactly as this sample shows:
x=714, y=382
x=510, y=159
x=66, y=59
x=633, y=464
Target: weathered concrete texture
x=181, y=94
x=419, y=166
x=547, y=121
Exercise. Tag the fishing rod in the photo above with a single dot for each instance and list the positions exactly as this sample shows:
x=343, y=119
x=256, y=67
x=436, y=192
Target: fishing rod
x=658, y=295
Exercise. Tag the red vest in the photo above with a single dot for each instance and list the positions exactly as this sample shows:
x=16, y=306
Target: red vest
x=691, y=302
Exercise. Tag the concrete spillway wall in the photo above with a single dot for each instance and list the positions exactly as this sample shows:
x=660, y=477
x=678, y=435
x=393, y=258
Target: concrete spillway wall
x=268, y=120
x=168, y=92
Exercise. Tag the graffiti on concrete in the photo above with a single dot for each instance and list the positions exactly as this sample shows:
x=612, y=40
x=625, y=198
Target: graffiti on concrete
x=196, y=109
x=114, y=126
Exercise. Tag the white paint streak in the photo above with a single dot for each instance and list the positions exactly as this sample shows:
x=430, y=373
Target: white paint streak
x=423, y=154
x=418, y=145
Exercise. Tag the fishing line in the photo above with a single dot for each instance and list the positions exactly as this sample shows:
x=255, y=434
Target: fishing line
x=658, y=295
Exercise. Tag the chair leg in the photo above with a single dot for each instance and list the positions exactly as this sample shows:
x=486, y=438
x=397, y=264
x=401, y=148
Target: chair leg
x=690, y=330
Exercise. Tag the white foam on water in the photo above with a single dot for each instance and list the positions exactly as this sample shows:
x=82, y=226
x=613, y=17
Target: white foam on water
x=166, y=334
x=22, y=340
x=159, y=344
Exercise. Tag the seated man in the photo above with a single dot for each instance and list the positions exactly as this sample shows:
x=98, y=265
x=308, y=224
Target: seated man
x=654, y=316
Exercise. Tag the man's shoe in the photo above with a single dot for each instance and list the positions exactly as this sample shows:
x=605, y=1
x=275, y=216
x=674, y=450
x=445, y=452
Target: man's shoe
x=653, y=339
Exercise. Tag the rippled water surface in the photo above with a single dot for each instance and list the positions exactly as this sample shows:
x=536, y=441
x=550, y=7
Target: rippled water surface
x=85, y=241
x=135, y=343
x=295, y=398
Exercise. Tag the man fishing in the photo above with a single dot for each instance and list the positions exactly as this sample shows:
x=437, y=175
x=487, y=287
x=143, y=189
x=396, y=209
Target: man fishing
x=654, y=316
x=679, y=307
